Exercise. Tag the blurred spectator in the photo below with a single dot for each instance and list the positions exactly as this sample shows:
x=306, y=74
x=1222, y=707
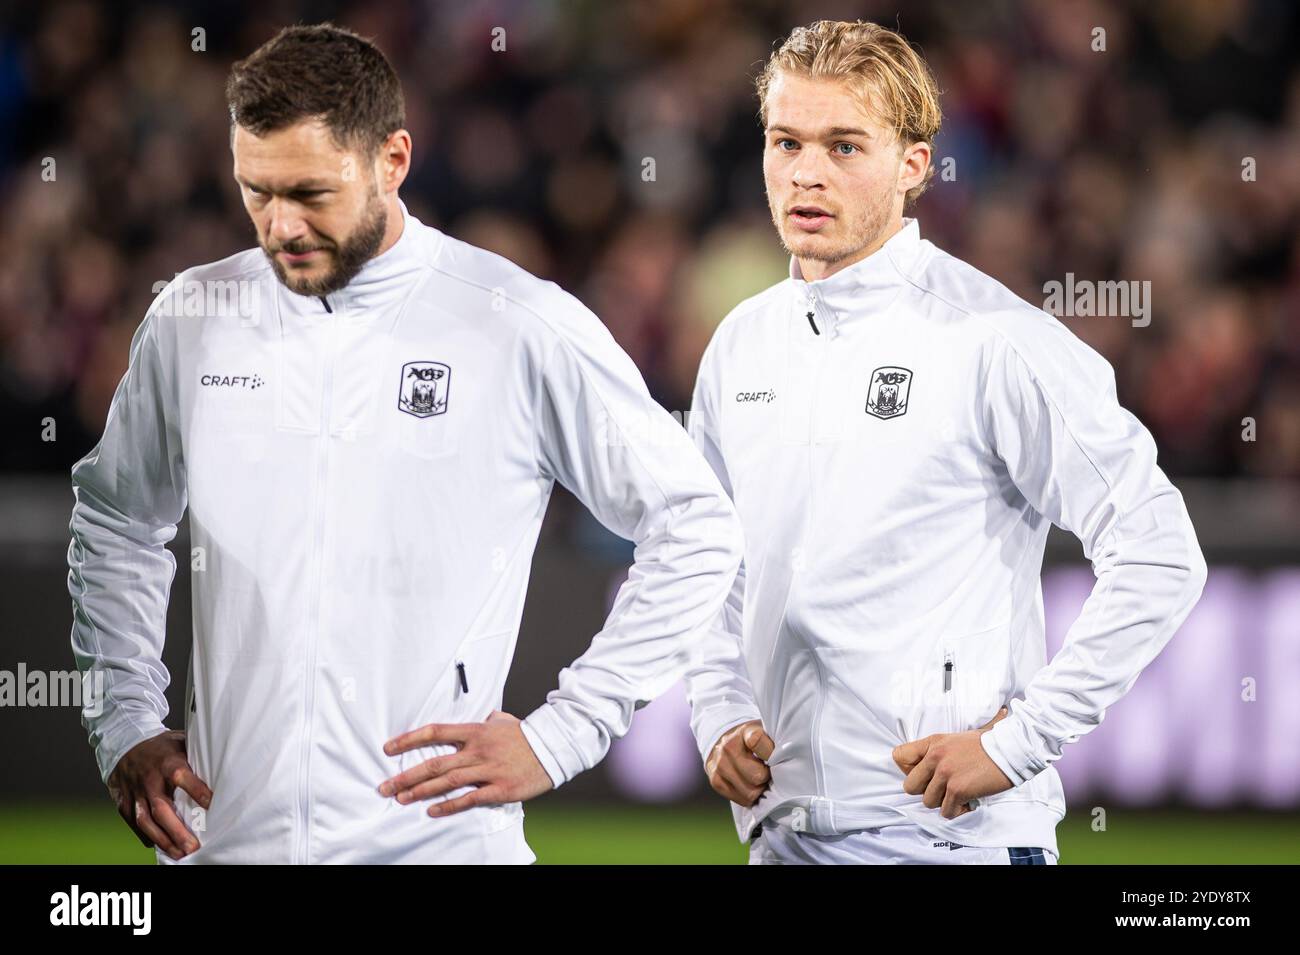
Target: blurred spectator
x=615, y=149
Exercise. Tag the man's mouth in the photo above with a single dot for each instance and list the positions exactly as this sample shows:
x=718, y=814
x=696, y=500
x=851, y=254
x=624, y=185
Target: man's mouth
x=295, y=257
x=809, y=218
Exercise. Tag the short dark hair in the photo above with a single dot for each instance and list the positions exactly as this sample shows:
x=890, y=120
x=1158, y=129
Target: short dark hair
x=321, y=71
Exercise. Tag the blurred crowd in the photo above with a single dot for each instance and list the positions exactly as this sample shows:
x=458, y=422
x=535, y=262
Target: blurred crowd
x=1171, y=154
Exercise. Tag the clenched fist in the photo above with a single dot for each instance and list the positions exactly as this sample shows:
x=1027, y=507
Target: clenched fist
x=737, y=765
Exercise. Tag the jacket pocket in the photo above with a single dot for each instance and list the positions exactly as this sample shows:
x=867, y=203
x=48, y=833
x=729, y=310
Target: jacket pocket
x=976, y=676
x=470, y=685
x=479, y=671
x=852, y=706
x=466, y=691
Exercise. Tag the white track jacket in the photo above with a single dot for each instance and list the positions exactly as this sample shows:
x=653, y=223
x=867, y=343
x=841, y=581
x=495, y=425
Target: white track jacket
x=365, y=483
x=897, y=439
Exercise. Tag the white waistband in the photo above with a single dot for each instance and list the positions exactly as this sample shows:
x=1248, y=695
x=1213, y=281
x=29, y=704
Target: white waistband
x=821, y=817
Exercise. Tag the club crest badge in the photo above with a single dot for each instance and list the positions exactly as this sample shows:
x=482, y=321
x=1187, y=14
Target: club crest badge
x=425, y=388
x=888, y=394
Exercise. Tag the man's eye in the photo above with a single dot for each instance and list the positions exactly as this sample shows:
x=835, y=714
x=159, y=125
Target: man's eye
x=780, y=144
x=851, y=148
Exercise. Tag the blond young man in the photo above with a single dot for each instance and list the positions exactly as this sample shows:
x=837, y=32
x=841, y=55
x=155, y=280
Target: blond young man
x=898, y=431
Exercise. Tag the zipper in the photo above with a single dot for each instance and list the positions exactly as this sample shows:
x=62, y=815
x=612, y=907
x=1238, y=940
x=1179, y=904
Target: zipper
x=815, y=384
x=811, y=314
x=464, y=683
x=824, y=360
x=818, y=771
x=303, y=852
x=950, y=690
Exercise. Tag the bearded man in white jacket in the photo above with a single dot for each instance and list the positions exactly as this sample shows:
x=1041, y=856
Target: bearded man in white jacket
x=898, y=431
x=365, y=418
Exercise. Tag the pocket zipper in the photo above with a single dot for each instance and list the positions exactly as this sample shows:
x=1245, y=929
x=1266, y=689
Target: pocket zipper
x=464, y=683
x=949, y=695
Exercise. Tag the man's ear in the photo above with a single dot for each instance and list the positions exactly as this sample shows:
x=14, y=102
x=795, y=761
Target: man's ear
x=394, y=161
x=912, y=166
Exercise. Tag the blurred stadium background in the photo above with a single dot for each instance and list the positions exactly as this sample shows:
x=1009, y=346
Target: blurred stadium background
x=1169, y=157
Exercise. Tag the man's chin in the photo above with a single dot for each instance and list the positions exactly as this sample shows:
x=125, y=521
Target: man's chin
x=312, y=284
x=313, y=287
x=816, y=248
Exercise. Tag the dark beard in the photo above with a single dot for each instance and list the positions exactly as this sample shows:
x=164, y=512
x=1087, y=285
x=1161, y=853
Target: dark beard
x=355, y=252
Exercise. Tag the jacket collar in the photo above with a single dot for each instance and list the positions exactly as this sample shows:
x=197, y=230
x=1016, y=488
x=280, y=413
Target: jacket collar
x=863, y=288
x=382, y=285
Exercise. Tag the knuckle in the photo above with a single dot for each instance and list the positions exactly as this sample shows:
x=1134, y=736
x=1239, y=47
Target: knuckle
x=422, y=791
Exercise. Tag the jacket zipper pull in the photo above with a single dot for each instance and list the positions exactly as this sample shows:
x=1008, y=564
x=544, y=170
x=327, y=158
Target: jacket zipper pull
x=947, y=671
x=813, y=324
x=464, y=684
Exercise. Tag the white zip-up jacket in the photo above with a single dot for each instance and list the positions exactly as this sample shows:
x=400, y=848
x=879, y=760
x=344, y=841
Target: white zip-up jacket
x=897, y=439
x=366, y=477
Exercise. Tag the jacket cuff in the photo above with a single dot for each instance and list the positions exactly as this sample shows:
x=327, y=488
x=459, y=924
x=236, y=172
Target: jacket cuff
x=717, y=720
x=550, y=742
x=115, y=742
x=1010, y=744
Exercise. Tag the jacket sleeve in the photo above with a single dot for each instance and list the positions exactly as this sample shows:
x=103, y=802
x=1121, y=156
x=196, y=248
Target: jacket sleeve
x=129, y=495
x=631, y=463
x=1089, y=466
x=717, y=683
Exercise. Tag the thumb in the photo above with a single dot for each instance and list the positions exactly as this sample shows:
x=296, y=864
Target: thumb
x=909, y=754
x=1001, y=715
x=758, y=742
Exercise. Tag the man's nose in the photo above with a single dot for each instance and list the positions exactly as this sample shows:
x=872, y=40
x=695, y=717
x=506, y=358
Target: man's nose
x=287, y=224
x=808, y=174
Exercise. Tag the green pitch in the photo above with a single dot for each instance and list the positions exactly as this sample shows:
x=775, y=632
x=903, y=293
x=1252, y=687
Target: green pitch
x=565, y=834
